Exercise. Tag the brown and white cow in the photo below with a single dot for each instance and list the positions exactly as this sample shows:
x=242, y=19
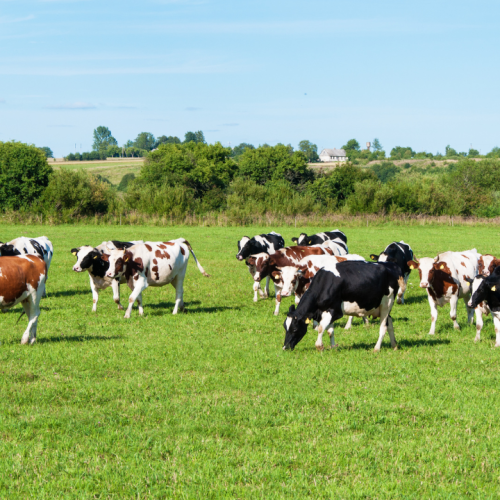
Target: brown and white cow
x=445, y=279
x=486, y=264
x=152, y=264
x=22, y=280
x=269, y=265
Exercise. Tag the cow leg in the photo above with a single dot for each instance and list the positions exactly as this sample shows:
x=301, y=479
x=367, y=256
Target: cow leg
x=496, y=322
x=324, y=324
x=349, y=323
x=115, y=286
x=453, y=311
x=479, y=323
x=178, y=284
x=470, y=311
x=390, y=328
x=138, y=287
x=32, y=311
x=385, y=310
x=95, y=294
x=332, y=338
x=434, y=314
x=401, y=292
x=266, y=289
x=256, y=288
x=277, y=289
x=366, y=321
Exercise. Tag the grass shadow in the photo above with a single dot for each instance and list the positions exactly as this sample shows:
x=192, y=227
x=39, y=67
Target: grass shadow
x=76, y=338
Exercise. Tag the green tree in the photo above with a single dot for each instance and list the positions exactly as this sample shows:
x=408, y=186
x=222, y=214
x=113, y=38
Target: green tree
x=309, y=149
x=376, y=145
x=47, y=152
x=473, y=153
x=198, y=166
x=386, y=171
x=145, y=140
x=276, y=163
x=129, y=144
x=103, y=139
x=240, y=149
x=24, y=174
x=163, y=139
x=200, y=138
x=401, y=153
x=450, y=151
x=196, y=137
x=351, y=145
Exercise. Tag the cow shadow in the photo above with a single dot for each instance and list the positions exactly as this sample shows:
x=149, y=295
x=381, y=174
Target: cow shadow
x=418, y=299
x=75, y=338
x=67, y=293
x=402, y=344
x=166, y=308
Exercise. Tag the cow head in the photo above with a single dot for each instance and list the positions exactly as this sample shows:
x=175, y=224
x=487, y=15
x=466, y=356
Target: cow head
x=301, y=240
x=85, y=258
x=117, y=260
x=495, y=263
x=290, y=277
x=479, y=290
x=241, y=246
x=295, y=329
x=427, y=269
x=7, y=250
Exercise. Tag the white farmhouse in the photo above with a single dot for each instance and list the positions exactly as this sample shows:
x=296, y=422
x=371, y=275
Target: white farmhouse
x=333, y=155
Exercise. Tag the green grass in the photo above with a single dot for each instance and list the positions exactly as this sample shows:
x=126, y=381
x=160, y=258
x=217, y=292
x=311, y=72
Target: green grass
x=207, y=405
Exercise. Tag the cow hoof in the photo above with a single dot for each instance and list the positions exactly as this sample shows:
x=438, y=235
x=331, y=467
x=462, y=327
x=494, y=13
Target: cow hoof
x=333, y=346
x=497, y=345
x=320, y=348
x=399, y=301
x=24, y=341
x=395, y=348
x=32, y=341
x=457, y=327
x=120, y=307
x=377, y=349
x=478, y=339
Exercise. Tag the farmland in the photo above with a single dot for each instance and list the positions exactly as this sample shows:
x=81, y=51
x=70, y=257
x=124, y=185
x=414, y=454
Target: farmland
x=207, y=405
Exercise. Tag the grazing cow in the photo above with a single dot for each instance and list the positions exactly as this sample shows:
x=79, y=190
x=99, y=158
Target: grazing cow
x=350, y=287
x=41, y=247
x=399, y=253
x=486, y=264
x=152, y=264
x=266, y=265
x=486, y=298
x=262, y=243
x=89, y=259
x=317, y=239
x=444, y=278
x=22, y=280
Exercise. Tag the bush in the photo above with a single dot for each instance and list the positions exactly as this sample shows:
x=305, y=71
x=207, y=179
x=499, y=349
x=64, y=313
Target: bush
x=126, y=180
x=386, y=171
x=24, y=174
x=76, y=192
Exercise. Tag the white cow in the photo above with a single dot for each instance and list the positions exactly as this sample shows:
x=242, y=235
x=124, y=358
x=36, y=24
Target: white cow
x=89, y=259
x=40, y=246
x=152, y=264
x=445, y=279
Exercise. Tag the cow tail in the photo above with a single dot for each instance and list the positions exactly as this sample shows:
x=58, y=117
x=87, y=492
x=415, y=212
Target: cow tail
x=202, y=271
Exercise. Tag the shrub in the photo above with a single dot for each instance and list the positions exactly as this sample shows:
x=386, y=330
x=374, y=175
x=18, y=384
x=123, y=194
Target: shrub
x=76, y=192
x=387, y=171
x=126, y=180
x=24, y=174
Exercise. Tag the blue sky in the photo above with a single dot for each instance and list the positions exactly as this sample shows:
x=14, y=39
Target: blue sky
x=421, y=74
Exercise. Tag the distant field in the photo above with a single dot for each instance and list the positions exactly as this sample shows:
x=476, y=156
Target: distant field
x=111, y=170
x=207, y=405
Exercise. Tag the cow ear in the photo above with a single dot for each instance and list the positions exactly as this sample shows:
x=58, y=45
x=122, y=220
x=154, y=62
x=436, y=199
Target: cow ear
x=494, y=288
x=127, y=256
x=412, y=264
x=105, y=257
x=74, y=251
x=291, y=310
x=373, y=256
x=469, y=280
x=295, y=240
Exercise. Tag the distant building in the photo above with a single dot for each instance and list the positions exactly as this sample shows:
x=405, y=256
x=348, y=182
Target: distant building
x=333, y=155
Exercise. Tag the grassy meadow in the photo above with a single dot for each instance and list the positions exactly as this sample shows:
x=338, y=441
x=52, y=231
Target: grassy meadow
x=207, y=405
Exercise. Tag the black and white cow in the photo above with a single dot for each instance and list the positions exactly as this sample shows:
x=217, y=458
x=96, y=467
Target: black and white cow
x=262, y=243
x=89, y=259
x=40, y=246
x=399, y=253
x=317, y=239
x=485, y=298
x=350, y=287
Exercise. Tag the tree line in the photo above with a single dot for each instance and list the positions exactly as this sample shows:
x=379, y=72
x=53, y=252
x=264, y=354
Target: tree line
x=199, y=178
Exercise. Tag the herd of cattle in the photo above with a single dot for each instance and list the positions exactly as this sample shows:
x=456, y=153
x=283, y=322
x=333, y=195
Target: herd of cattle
x=318, y=270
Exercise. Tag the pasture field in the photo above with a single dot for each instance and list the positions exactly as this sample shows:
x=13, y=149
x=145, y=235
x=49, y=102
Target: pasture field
x=207, y=405
x=111, y=170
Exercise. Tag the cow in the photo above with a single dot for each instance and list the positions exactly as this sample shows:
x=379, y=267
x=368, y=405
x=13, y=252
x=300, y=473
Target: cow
x=486, y=298
x=297, y=279
x=351, y=287
x=262, y=243
x=152, y=264
x=317, y=239
x=399, y=253
x=22, y=280
x=265, y=265
x=40, y=246
x=444, y=278
x=89, y=259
